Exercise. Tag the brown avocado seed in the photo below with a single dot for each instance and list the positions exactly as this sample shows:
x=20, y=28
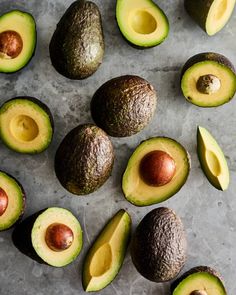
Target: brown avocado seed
x=11, y=44
x=3, y=201
x=199, y=292
x=208, y=84
x=59, y=237
x=157, y=168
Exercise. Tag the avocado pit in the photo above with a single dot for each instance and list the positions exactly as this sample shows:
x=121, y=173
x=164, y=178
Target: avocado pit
x=11, y=44
x=199, y=292
x=3, y=201
x=208, y=84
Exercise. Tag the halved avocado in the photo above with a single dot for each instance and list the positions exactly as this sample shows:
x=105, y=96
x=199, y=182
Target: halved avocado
x=212, y=159
x=12, y=201
x=106, y=256
x=142, y=22
x=208, y=80
x=26, y=125
x=17, y=40
x=52, y=236
x=210, y=15
x=201, y=280
x=141, y=193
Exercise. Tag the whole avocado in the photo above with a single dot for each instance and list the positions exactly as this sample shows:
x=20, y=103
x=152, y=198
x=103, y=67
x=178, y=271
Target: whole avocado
x=77, y=45
x=84, y=159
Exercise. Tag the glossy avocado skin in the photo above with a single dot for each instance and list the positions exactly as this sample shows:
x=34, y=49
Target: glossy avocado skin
x=77, y=46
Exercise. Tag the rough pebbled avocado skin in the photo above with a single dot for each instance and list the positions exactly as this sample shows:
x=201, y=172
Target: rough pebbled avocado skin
x=158, y=247
x=124, y=105
x=77, y=46
x=84, y=159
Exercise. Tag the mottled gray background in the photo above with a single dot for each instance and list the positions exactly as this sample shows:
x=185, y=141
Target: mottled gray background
x=209, y=215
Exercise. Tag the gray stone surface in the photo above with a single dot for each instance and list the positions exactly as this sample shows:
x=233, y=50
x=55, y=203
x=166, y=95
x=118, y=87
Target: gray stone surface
x=209, y=215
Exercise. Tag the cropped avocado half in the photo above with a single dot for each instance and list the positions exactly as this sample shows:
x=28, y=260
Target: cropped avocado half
x=26, y=125
x=208, y=80
x=52, y=236
x=17, y=40
x=210, y=15
x=156, y=171
x=142, y=22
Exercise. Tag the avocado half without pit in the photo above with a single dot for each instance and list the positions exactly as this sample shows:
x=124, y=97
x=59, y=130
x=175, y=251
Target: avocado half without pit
x=142, y=22
x=208, y=80
x=17, y=40
x=157, y=170
x=26, y=125
x=52, y=236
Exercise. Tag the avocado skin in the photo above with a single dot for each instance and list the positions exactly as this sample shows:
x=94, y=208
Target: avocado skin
x=77, y=45
x=158, y=247
x=124, y=105
x=84, y=159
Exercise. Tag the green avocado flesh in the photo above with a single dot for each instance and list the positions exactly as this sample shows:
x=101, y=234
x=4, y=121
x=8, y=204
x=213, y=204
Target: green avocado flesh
x=26, y=125
x=202, y=65
x=16, y=201
x=106, y=256
x=210, y=15
x=212, y=160
x=142, y=22
x=24, y=26
x=136, y=190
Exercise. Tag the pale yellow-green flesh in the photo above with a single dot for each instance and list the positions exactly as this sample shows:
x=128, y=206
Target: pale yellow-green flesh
x=44, y=220
x=142, y=22
x=212, y=160
x=106, y=256
x=15, y=201
x=218, y=15
x=224, y=74
x=141, y=194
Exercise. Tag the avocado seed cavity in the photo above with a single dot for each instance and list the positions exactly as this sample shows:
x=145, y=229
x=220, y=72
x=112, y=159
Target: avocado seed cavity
x=199, y=292
x=157, y=168
x=208, y=84
x=143, y=22
x=11, y=44
x=3, y=201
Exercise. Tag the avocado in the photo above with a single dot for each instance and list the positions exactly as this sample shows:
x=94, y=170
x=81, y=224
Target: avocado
x=212, y=159
x=124, y=105
x=142, y=23
x=77, y=45
x=156, y=171
x=210, y=15
x=208, y=80
x=52, y=236
x=200, y=280
x=18, y=39
x=26, y=125
x=105, y=258
x=84, y=159
x=12, y=201
x=158, y=247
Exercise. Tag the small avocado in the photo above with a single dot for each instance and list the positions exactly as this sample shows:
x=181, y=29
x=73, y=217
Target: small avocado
x=159, y=245
x=210, y=15
x=212, y=159
x=208, y=80
x=123, y=106
x=156, y=171
x=105, y=258
x=77, y=45
x=52, y=236
x=17, y=40
x=142, y=23
x=12, y=201
x=200, y=280
x=26, y=125
x=84, y=159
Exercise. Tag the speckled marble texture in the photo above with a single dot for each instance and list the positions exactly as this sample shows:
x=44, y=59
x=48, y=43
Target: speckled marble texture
x=209, y=215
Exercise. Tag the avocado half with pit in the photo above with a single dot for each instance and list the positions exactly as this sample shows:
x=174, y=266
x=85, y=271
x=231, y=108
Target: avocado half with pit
x=105, y=258
x=12, y=201
x=210, y=15
x=26, y=125
x=212, y=159
x=52, y=236
x=208, y=80
x=156, y=171
x=200, y=280
x=17, y=40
